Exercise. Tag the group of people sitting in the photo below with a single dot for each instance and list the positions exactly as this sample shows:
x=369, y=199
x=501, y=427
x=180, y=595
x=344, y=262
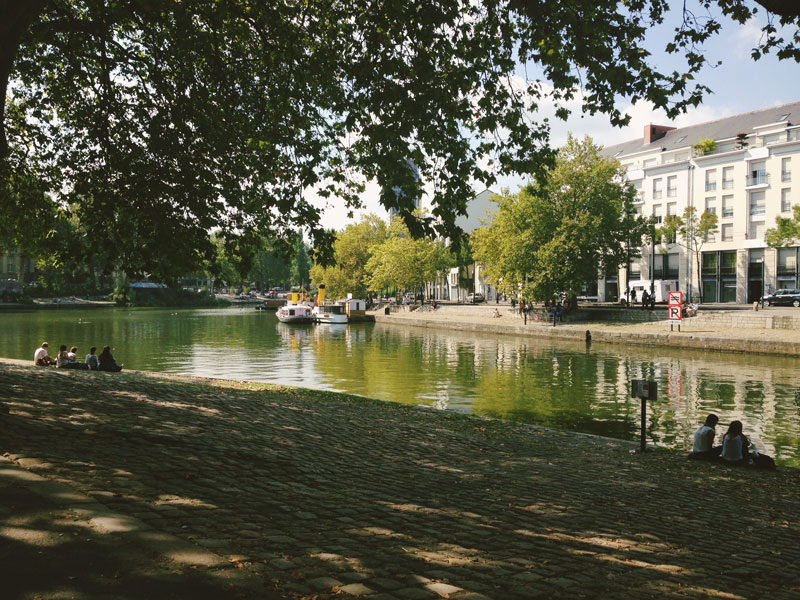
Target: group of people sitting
x=735, y=448
x=68, y=359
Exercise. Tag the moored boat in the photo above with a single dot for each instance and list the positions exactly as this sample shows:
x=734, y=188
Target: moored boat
x=294, y=311
x=330, y=313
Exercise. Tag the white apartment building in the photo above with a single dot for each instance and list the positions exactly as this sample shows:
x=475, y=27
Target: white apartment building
x=747, y=179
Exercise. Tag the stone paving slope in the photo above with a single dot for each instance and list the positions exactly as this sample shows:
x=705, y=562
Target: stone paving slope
x=324, y=496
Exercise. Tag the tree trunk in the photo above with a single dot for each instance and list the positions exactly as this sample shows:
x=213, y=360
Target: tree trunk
x=15, y=18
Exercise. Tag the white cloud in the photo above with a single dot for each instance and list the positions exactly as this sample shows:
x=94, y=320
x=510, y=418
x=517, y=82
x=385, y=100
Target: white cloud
x=744, y=38
x=335, y=214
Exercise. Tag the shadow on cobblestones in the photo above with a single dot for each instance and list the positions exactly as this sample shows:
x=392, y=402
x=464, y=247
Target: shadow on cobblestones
x=325, y=495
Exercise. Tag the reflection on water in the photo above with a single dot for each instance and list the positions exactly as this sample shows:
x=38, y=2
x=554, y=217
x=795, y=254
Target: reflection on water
x=567, y=385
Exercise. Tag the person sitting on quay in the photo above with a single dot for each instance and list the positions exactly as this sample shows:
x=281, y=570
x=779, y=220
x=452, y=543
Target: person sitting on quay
x=63, y=360
x=107, y=362
x=73, y=353
x=645, y=299
x=496, y=314
x=91, y=359
x=735, y=445
x=41, y=358
x=703, y=446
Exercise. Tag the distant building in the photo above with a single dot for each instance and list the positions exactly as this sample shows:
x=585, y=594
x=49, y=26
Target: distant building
x=743, y=175
x=15, y=266
x=477, y=209
x=448, y=286
x=393, y=212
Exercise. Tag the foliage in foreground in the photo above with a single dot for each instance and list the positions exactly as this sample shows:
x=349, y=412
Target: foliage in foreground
x=156, y=122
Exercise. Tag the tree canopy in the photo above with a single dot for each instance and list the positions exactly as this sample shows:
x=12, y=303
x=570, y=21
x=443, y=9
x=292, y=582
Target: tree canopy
x=154, y=122
x=351, y=251
x=559, y=233
x=786, y=230
x=403, y=262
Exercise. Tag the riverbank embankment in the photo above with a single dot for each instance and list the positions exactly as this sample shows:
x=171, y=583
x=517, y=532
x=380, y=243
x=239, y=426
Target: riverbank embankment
x=774, y=331
x=265, y=492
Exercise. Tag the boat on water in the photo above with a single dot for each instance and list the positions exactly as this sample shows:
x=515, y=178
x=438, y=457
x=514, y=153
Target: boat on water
x=295, y=313
x=330, y=313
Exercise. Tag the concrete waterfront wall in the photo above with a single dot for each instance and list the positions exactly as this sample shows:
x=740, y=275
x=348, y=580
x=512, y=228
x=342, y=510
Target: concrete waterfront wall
x=747, y=320
x=577, y=332
x=736, y=319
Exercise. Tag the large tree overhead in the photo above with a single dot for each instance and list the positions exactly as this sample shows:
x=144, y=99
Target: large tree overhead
x=154, y=121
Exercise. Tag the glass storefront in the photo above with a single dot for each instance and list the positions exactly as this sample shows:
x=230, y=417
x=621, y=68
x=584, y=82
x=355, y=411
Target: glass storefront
x=755, y=275
x=718, y=272
x=666, y=266
x=788, y=276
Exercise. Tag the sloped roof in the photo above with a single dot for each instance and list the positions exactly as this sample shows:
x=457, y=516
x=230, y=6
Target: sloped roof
x=723, y=128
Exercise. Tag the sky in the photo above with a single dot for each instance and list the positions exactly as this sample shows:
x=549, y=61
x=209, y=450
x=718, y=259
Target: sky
x=739, y=85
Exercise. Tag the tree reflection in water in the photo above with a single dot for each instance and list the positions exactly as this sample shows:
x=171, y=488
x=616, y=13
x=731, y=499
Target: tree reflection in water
x=566, y=385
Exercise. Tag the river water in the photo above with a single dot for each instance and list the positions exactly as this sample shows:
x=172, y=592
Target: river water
x=565, y=385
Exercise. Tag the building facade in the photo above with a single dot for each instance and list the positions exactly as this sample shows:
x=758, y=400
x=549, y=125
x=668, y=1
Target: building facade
x=739, y=168
x=448, y=286
x=15, y=268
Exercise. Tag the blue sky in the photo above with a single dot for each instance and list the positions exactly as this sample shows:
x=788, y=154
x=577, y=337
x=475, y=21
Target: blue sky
x=739, y=85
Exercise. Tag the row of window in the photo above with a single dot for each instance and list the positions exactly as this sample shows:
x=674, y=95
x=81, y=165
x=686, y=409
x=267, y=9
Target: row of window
x=758, y=206
x=718, y=274
x=757, y=211
x=719, y=263
x=756, y=176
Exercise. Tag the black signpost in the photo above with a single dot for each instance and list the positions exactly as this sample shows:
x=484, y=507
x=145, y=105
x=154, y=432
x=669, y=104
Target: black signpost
x=645, y=390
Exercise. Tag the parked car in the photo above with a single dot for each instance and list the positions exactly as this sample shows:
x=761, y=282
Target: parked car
x=475, y=298
x=782, y=297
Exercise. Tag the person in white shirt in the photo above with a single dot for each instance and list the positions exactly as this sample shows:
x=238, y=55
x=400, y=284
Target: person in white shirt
x=735, y=445
x=41, y=358
x=91, y=359
x=703, y=445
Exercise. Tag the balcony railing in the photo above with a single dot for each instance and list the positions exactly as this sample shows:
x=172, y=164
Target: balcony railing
x=759, y=178
x=657, y=194
x=786, y=176
x=711, y=186
x=727, y=184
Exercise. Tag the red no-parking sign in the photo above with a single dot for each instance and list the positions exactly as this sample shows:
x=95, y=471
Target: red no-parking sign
x=675, y=306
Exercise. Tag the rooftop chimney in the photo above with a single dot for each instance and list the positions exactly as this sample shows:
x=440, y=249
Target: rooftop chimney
x=655, y=132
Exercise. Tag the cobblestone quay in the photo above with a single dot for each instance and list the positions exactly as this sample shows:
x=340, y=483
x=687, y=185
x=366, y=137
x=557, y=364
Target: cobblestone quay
x=291, y=493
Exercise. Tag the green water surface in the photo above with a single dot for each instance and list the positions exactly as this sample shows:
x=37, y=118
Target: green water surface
x=566, y=385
